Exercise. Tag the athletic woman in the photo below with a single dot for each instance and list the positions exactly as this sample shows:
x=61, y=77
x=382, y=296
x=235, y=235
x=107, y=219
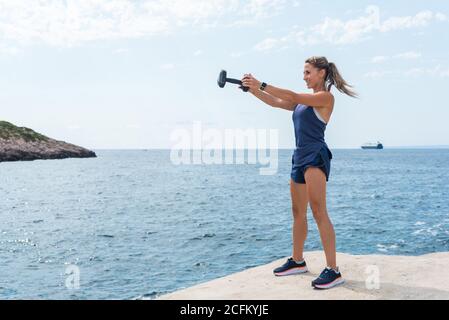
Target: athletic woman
x=311, y=160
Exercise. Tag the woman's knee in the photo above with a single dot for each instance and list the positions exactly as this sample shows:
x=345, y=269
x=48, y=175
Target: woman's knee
x=299, y=214
x=319, y=212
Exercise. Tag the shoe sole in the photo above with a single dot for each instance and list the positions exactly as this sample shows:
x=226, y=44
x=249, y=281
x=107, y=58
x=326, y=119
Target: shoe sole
x=291, y=272
x=332, y=284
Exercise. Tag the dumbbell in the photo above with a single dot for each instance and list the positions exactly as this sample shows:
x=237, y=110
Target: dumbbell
x=222, y=79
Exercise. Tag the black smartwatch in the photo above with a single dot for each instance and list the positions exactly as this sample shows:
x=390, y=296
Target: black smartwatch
x=263, y=86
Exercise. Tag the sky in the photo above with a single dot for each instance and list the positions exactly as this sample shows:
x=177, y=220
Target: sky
x=117, y=74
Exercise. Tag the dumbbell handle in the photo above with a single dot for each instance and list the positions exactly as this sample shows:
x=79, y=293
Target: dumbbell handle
x=235, y=81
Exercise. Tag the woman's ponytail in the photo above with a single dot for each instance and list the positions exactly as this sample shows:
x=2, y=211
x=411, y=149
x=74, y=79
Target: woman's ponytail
x=334, y=78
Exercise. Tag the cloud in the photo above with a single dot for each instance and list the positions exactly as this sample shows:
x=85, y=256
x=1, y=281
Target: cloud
x=409, y=55
x=437, y=71
x=441, y=16
x=377, y=74
x=379, y=59
x=421, y=19
x=266, y=44
x=67, y=23
x=198, y=53
x=271, y=43
x=262, y=8
x=342, y=32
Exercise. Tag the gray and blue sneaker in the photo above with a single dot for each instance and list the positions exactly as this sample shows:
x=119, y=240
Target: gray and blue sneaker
x=329, y=278
x=290, y=267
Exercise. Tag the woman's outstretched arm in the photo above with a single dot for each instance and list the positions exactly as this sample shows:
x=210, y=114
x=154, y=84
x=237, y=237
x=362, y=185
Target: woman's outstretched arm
x=273, y=101
x=319, y=99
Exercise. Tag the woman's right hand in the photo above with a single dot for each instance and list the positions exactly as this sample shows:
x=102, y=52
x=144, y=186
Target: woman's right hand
x=251, y=82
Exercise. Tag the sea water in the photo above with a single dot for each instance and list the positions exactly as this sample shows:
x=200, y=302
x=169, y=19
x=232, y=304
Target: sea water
x=131, y=224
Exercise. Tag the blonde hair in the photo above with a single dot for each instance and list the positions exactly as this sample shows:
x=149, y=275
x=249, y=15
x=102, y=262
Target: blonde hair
x=333, y=76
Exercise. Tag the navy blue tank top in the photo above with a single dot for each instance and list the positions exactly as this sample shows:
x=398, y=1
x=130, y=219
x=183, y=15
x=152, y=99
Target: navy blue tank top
x=309, y=135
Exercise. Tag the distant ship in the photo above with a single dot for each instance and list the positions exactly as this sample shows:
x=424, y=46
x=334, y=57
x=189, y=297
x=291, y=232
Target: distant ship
x=372, y=145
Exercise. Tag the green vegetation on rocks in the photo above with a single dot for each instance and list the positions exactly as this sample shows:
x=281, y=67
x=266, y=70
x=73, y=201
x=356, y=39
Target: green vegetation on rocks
x=9, y=131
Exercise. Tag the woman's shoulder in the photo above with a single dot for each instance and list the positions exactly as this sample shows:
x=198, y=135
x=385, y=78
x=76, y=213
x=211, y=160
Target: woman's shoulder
x=329, y=94
x=331, y=98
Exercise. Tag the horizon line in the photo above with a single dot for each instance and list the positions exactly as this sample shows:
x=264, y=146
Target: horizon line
x=332, y=148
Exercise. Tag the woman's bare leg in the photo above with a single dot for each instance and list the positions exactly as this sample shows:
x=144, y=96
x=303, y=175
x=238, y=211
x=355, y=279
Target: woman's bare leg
x=299, y=210
x=316, y=191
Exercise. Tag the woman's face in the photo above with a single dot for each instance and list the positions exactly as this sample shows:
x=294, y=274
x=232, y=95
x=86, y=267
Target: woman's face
x=313, y=76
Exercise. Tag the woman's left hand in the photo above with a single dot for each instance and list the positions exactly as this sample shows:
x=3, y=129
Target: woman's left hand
x=251, y=82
